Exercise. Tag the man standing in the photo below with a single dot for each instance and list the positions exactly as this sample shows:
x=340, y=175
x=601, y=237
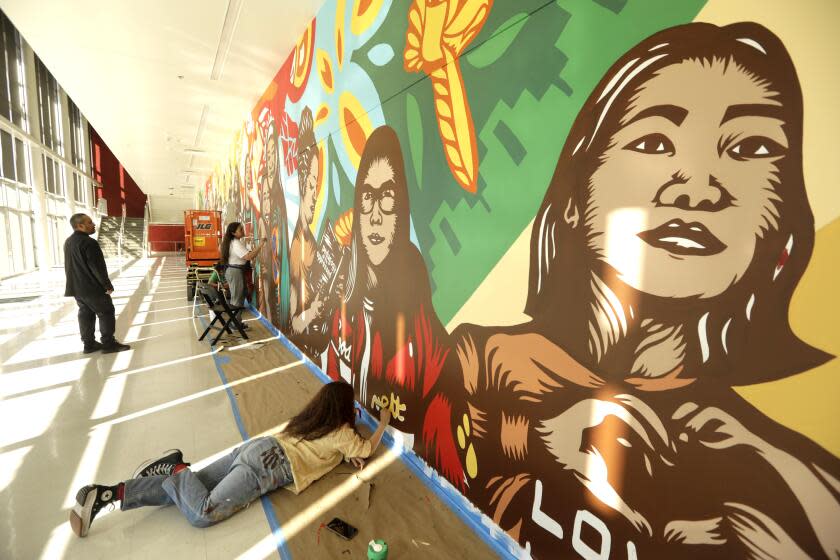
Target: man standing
x=88, y=282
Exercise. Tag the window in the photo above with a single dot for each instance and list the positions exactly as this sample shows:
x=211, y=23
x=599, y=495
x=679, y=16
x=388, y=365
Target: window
x=77, y=137
x=53, y=176
x=7, y=147
x=80, y=188
x=12, y=75
x=22, y=161
x=49, y=103
x=14, y=158
x=77, y=153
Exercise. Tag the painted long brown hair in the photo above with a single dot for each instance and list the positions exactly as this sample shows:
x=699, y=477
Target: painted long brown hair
x=402, y=275
x=750, y=338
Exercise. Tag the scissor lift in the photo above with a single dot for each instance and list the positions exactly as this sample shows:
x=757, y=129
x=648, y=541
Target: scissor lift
x=203, y=233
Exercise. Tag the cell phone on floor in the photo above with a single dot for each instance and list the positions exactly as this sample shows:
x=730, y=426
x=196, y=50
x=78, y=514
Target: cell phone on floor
x=342, y=528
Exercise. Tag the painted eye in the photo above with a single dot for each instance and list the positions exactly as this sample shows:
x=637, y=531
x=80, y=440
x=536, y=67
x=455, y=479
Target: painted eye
x=651, y=144
x=755, y=147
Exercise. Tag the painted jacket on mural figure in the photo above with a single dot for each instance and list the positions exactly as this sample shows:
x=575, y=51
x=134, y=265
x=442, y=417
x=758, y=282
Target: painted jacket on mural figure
x=392, y=351
x=659, y=467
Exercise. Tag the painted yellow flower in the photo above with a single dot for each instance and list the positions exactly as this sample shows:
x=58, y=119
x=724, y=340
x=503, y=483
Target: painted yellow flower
x=438, y=32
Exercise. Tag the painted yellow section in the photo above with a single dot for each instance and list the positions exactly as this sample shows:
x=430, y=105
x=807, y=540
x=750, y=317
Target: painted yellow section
x=809, y=403
x=350, y=109
x=508, y=277
x=364, y=14
x=808, y=29
x=325, y=72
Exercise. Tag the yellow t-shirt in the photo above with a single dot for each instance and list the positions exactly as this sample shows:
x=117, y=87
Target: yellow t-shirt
x=310, y=460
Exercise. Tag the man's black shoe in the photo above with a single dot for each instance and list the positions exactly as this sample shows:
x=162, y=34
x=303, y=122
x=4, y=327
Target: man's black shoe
x=115, y=347
x=92, y=347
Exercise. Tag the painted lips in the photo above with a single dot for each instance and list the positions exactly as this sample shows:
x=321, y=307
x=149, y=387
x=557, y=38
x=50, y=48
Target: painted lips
x=680, y=238
x=375, y=238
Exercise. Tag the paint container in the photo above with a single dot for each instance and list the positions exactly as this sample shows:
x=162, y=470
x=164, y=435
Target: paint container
x=377, y=550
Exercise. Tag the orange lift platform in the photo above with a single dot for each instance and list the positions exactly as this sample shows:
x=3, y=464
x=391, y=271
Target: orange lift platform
x=203, y=234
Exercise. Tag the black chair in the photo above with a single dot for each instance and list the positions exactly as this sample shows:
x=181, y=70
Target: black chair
x=222, y=312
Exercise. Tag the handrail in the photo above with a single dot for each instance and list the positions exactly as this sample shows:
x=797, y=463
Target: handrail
x=147, y=217
x=121, y=235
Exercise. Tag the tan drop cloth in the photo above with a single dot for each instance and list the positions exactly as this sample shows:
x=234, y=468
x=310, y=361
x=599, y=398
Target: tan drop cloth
x=394, y=505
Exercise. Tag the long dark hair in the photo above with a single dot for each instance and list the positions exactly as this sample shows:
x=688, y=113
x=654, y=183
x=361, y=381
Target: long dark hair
x=229, y=236
x=749, y=335
x=402, y=286
x=403, y=271
x=330, y=408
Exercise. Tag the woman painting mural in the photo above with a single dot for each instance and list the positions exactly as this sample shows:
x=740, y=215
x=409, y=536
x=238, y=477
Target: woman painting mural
x=386, y=339
x=663, y=260
x=305, y=305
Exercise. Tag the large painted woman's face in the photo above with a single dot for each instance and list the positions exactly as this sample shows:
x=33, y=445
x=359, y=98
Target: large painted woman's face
x=688, y=186
x=307, y=201
x=377, y=217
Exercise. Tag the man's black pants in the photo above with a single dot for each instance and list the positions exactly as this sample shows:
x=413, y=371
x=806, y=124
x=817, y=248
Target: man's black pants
x=91, y=307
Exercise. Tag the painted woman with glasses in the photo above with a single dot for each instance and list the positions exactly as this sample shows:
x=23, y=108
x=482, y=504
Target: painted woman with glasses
x=386, y=339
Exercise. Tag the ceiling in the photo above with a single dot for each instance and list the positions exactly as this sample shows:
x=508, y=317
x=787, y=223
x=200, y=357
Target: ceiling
x=157, y=79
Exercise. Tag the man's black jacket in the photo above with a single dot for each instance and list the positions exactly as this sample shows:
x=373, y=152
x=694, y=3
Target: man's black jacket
x=84, y=266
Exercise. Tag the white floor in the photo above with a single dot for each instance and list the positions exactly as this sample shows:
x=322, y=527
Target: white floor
x=67, y=419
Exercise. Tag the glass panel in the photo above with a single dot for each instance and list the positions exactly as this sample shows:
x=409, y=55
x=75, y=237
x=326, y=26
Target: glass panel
x=5, y=107
x=15, y=79
x=59, y=178
x=59, y=240
x=49, y=178
x=28, y=225
x=5, y=267
x=34, y=250
x=11, y=196
x=25, y=196
x=16, y=239
x=6, y=145
x=21, y=157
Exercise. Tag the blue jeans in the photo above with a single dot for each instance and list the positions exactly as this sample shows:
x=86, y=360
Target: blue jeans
x=219, y=490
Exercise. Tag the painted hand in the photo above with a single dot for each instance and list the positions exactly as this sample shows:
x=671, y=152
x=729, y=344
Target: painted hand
x=714, y=428
x=317, y=306
x=358, y=462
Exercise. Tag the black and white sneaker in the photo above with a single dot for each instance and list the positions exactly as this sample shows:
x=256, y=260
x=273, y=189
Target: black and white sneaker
x=161, y=466
x=89, y=501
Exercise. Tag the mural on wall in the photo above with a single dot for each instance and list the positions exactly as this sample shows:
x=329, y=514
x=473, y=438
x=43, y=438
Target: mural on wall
x=664, y=181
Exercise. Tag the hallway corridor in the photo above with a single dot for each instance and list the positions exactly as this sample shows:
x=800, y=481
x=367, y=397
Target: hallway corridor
x=70, y=419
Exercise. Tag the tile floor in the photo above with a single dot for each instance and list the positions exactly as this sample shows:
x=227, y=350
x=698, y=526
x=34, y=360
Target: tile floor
x=67, y=419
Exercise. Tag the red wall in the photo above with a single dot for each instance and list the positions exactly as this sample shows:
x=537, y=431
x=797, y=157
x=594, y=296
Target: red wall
x=117, y=185
x=166, y=237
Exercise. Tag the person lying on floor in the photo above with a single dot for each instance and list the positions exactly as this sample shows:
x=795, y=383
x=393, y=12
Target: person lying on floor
x=312, y=444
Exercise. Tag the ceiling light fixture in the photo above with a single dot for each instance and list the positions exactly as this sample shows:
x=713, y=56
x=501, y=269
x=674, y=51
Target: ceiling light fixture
x=231, y=18
x=202, y=121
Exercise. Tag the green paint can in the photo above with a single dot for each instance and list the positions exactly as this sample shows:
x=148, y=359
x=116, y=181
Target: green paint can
x=377, y=550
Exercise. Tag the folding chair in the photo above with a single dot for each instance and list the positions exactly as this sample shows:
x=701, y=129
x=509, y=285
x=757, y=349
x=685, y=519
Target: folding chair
x=222, y=312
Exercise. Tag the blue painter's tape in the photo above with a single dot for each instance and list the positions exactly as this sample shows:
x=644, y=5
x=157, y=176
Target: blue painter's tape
x=270, y=514
x=496, y=539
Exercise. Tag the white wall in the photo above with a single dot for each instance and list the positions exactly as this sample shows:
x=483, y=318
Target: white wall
x=169, y=209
